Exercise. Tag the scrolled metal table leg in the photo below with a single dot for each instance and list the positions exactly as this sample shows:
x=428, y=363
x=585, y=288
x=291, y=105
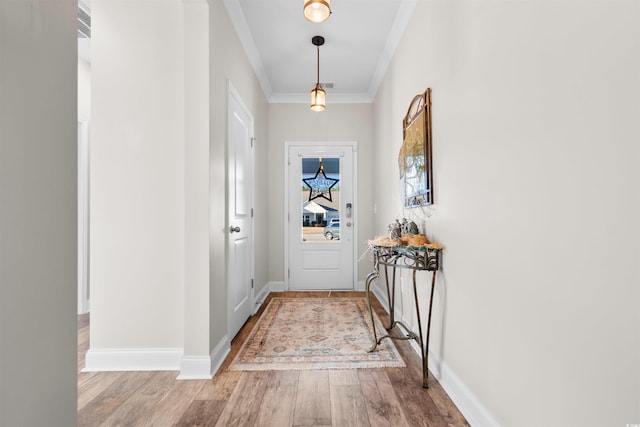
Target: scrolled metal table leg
x=370, y=278
x=389, y=297
x=424, y=345
x=425, y=378
x=391, y=294
x=425, y=372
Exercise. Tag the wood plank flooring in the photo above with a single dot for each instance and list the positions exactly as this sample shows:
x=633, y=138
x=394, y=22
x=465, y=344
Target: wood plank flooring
x=357, y=397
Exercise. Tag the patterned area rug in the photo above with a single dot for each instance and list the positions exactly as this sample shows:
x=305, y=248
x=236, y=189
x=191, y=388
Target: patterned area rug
x=315, y=333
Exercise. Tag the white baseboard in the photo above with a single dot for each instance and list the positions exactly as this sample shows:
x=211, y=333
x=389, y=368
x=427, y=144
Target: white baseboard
x=266, y=290
x=219, y=353
x=205, y=367
x=195, y=368
x=467, y=402
x=276, y=286
x=464, y=399
x=133, y=359
x=360, y=286
x=262, y=295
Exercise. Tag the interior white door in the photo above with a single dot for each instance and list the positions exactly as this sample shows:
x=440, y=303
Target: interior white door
x=240, y=201
x=321, y=217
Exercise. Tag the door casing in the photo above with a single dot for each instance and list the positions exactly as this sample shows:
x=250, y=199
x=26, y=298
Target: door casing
x=319, y=145
x=83, y=216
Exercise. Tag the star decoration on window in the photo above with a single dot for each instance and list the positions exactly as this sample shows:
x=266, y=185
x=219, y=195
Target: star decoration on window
x=320, y=185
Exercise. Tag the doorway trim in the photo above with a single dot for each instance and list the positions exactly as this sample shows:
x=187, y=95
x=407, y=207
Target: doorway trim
x=356, y=208
x=83, y=216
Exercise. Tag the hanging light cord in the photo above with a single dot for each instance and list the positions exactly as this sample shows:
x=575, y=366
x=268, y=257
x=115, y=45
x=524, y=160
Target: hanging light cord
x=318, y=63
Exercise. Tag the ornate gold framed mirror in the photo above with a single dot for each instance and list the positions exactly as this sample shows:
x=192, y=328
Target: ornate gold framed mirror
x=414, y=160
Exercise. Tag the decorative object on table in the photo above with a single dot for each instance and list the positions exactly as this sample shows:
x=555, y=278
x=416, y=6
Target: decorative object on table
x=414, y=160
x=409, y=227
x=402, y=233
x=415, y=241
x=314, y=333
x=395, y=230
x=384, y=240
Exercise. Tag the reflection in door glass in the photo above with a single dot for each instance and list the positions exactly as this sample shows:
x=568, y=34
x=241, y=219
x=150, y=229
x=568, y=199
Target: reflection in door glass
x=320, y=199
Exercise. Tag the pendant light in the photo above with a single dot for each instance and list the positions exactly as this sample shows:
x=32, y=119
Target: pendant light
x=318, y=95
x=317, y=10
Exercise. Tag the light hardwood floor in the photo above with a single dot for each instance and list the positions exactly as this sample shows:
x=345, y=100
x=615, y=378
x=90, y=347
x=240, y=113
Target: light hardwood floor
x=358, y=397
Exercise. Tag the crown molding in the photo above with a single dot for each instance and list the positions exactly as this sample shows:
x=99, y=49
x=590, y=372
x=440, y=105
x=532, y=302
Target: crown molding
x=242, y=29
x=395, y=35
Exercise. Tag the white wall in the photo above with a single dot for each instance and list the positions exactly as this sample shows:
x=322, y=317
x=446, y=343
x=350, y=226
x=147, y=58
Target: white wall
x=158, y=181
x=38, y=213
x=535, y=151
x=137, y=176
x=197, y=348
x=296, y=122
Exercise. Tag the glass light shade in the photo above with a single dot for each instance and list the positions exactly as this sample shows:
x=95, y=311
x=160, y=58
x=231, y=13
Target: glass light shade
x=318, y=98
x=317, y=10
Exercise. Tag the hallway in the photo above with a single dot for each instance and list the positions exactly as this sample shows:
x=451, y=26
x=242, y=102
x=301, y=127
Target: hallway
x=364, y=397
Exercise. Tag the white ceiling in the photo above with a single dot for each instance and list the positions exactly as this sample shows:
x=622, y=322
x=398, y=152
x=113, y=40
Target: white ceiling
x=360, y=38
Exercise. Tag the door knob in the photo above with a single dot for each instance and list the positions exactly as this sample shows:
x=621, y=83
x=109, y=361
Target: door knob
x=233, y=229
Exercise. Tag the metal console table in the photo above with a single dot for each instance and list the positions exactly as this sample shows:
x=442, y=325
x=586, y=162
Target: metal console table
x=404, y=257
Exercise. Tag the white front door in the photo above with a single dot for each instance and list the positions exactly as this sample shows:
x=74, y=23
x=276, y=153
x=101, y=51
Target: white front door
x=321, y=216
x=239, y=227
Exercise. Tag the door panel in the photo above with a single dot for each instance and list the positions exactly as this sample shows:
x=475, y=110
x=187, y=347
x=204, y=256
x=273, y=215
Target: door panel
x=320, y=228
x=240, y=294
x=326, y=260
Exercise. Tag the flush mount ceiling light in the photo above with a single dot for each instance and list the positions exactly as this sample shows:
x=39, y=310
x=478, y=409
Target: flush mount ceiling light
x=317, y=10
x=318, y=95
